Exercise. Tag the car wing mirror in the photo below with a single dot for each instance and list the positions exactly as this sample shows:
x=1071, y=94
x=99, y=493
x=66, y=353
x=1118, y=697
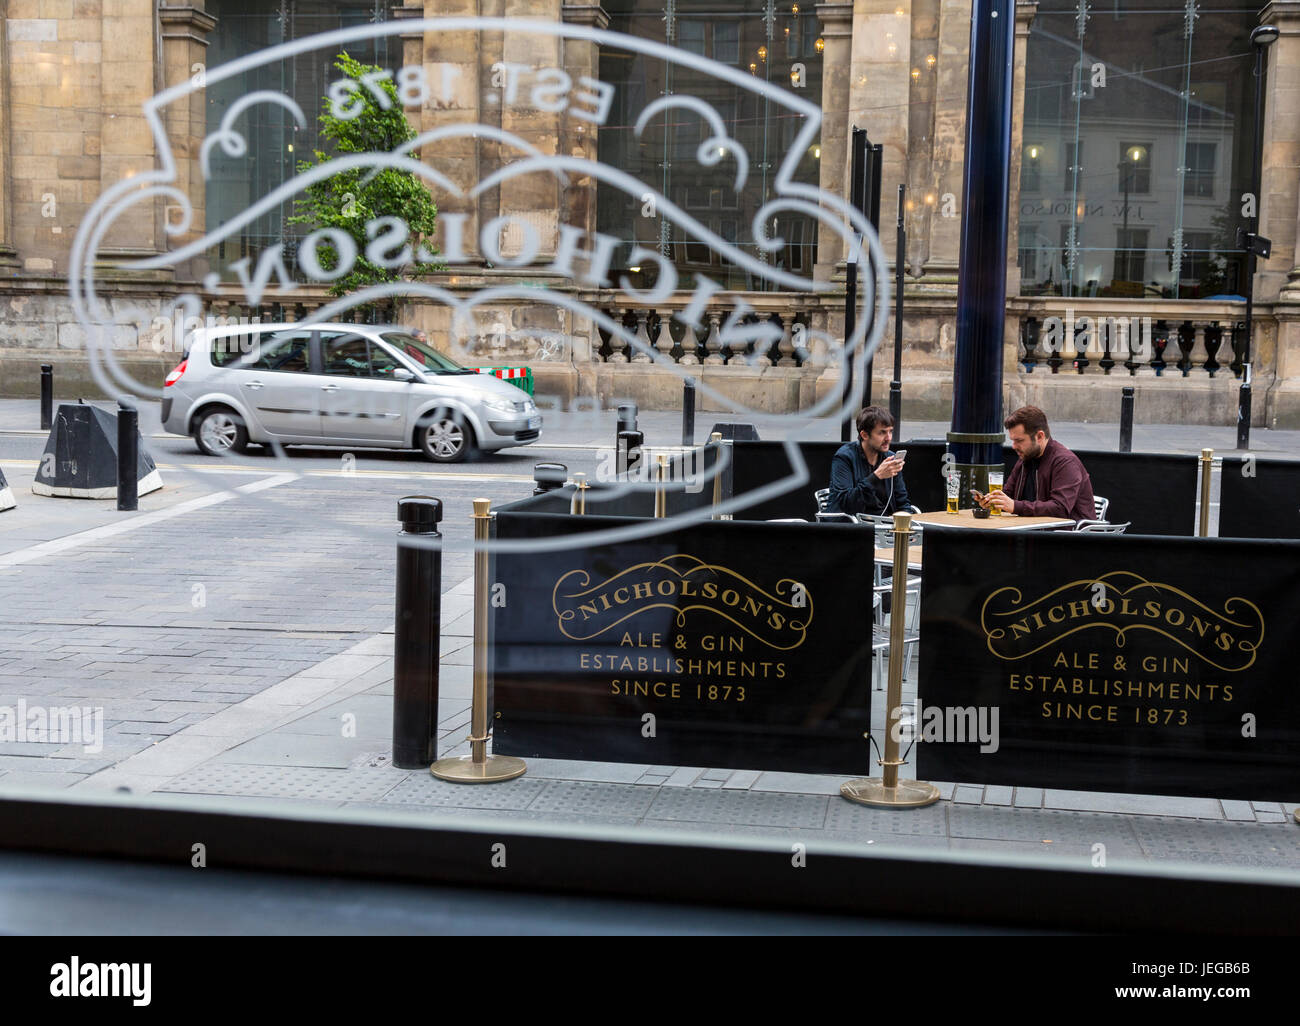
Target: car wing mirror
x=402, y=374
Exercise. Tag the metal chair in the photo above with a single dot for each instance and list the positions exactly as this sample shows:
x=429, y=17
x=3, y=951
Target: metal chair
x=823, y=496
x=1100, y=506
x=835, y=518
x=880, y=638
x=1100, y=527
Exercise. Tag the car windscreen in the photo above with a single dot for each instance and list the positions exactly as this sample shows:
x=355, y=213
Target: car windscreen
x=422, y=353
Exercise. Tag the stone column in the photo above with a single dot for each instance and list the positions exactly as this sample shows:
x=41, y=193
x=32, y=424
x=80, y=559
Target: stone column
x=454, y=58
x=1280, y=192
x=8, y=256
x=532, y=199
x=1025, y=11
x=129, y=74
x=577, y=137
x=879, y=90
x=185, y=33
x=940, y=203
x=837, y=28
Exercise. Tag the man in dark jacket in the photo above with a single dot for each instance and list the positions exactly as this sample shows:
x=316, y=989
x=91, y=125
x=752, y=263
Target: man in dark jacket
x=1049, y=480
x=865, y=476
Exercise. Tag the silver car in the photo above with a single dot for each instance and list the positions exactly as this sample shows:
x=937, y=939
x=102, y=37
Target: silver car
x=339, y=384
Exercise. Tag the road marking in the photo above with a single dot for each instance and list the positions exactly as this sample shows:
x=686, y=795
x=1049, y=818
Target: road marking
x=233, y=468
x=73, y=541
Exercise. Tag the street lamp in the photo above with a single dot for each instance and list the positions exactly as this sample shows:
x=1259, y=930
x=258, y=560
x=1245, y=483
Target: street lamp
x=1260, y=38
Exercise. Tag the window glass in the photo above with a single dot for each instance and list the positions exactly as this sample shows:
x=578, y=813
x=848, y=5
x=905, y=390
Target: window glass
x=285, y=351
x=750, y=35
x=346, y=355
x=1148, y=107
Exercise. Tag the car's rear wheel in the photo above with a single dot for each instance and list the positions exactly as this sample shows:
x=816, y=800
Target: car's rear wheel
x=445, y=438
x=219, y=431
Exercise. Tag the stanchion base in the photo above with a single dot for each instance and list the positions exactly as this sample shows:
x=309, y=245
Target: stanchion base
x=909, y=794
x=465, y=770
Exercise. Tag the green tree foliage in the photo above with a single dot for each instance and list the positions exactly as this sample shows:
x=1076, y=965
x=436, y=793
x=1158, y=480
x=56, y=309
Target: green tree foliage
x=356, y=120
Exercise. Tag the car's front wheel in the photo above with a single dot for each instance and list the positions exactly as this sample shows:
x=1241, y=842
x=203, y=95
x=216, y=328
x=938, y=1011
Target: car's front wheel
x=219, y=431
x=445, y=438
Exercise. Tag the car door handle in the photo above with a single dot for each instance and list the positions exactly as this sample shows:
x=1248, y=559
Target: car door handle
x=252, y=384
x=329, y=388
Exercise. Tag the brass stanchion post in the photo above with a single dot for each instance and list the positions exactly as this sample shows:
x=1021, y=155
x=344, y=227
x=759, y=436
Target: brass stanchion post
x=579, y=507
x=479, y=767
x=715, y=440
x=887, y=790
x=661, y=496
x=1207, y=464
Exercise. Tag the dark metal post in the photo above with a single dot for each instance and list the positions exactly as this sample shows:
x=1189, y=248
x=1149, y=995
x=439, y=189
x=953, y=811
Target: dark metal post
x=627, y=416
x=416, y=633
x=1126, y=419
x=688, y=412
x=976, y=434
x=1261, y=37
x=47, y=396
x=128, y=458
x=896, y=385
x=549, y=476
x=628, y=453
x=850, y=325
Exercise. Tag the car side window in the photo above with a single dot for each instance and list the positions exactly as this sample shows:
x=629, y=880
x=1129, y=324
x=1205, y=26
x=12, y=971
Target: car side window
x=284, y=351
x=346, y=355
x=382, y=362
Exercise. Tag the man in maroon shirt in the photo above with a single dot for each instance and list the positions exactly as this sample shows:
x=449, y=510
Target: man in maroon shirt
x=1049, y=480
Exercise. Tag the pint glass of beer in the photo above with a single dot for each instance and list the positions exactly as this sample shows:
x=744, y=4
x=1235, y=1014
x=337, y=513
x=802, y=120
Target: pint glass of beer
x=953, y=482
x=995, y=485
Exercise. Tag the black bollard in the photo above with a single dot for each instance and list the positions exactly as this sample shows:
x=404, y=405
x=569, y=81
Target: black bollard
x=627, y=457
x=688, y=412
x=549, y=476
x=626, y=418
x=128, y=458
x=416, y=633
x=47, y=396
x=1243, y=412
x=1126, y=419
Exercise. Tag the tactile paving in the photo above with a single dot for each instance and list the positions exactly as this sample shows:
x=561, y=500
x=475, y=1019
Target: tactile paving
x=867, y=821
x=285, y=782
x=426, y=789
x=1038, y=825
x=586, y=797
x=751, y=808
x=1226, y=842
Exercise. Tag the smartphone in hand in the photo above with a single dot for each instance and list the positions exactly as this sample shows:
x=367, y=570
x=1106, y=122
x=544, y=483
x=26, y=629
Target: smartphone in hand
x=901, y=455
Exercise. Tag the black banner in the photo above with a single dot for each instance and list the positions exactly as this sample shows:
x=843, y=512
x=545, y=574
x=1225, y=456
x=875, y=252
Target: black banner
x=1260, y=498
x=1109, y=663
x=722, y=644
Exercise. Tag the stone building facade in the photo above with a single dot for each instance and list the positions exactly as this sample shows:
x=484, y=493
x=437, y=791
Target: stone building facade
x=1115, y=229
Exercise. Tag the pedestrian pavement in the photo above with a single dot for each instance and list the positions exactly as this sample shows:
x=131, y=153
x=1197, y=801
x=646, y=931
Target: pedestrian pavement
x=586, y=428
x=241, y=650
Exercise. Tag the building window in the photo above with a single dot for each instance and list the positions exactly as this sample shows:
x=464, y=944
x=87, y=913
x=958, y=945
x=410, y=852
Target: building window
x=726, y=42
x=1135, y=168
x=1031, y=169
x=1072, y=162
x=1199, y=179
x=1131, y=254
x=690, y=36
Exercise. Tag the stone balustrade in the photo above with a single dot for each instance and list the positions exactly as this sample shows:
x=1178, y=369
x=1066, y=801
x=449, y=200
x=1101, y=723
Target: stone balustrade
x=1137, y=339
x=772, y=335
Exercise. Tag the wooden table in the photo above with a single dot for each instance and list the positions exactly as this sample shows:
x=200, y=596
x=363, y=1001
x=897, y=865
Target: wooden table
x=1006, y=522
